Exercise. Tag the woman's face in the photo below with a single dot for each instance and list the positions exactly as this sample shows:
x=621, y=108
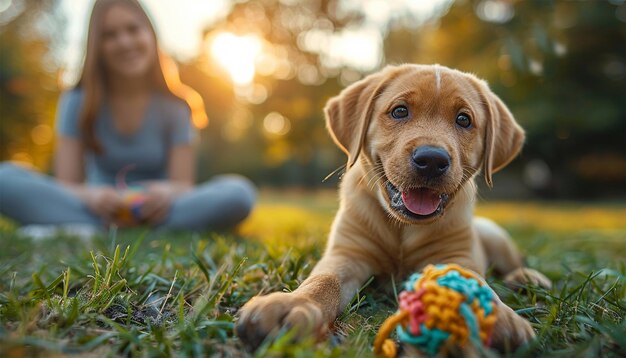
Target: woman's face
x=128, y=48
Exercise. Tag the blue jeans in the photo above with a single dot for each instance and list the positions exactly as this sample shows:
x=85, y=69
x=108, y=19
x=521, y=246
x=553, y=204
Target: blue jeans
x=31, y=198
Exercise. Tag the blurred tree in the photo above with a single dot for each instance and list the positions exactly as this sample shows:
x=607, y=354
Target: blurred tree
x=28, y=81
x=280, y=140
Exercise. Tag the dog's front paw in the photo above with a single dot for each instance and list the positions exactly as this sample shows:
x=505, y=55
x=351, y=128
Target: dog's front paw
x=511, y=331
x=525, y=275
x=264, y=316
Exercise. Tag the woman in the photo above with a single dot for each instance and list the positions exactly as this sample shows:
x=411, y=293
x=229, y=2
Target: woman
x=124, y=123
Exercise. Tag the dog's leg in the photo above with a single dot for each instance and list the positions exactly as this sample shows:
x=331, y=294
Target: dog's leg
x=309, y=310
x=504, y=256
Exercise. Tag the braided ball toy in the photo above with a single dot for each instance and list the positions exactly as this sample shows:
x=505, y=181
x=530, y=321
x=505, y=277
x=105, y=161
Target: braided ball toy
x=443, y=305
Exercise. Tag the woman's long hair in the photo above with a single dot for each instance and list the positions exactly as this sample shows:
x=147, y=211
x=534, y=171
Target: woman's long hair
x=163, y=75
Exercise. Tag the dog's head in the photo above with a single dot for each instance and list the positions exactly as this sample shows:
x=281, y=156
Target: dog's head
x=424, y=131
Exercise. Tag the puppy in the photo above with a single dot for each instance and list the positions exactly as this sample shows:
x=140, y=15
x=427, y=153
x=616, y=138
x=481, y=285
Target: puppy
x=416, y=136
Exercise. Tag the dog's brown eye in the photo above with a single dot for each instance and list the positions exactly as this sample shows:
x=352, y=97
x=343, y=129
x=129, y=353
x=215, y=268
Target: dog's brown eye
x=463, y=120
x=400, y=112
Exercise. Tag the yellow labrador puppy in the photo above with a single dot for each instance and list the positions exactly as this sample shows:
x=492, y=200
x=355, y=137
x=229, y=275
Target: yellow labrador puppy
x=416, y=136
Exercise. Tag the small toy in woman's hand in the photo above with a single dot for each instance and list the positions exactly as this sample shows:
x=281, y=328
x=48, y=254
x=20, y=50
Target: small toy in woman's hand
x=134, y=197
x=444, y=305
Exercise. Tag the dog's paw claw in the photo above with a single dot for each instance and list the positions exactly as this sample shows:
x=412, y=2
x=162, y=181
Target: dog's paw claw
x=525, y=276
x=267, y=316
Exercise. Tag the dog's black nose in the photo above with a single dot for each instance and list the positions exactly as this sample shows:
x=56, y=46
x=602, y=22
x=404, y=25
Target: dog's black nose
x=430, y=162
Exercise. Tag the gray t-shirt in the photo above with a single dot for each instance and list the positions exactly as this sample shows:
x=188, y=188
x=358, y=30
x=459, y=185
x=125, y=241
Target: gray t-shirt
x=143, y=154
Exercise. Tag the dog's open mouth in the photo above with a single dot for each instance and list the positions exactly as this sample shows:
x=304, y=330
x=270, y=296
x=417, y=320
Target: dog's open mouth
x=417, y=203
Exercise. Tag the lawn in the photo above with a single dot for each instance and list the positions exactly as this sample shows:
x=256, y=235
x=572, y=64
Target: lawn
x=144, y=293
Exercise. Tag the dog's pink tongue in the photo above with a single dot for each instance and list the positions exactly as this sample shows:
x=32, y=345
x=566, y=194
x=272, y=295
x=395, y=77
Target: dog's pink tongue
x=421, y=201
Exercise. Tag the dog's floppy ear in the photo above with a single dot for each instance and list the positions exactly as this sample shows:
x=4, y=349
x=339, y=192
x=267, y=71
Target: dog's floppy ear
x=348, y=114
x=503, y=137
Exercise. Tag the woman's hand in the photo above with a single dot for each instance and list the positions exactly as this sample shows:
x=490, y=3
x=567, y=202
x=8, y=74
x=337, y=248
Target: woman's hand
x=159, y=198
x=104, y=201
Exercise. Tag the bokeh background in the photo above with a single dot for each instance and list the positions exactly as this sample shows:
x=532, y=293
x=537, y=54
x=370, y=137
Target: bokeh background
x=266, y=68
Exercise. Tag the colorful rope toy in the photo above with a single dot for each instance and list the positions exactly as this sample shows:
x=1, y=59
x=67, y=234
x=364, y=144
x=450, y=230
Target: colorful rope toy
x=134, y=198
x=443, y=305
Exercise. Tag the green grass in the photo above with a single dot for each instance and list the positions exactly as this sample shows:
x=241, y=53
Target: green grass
x=141, y=293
